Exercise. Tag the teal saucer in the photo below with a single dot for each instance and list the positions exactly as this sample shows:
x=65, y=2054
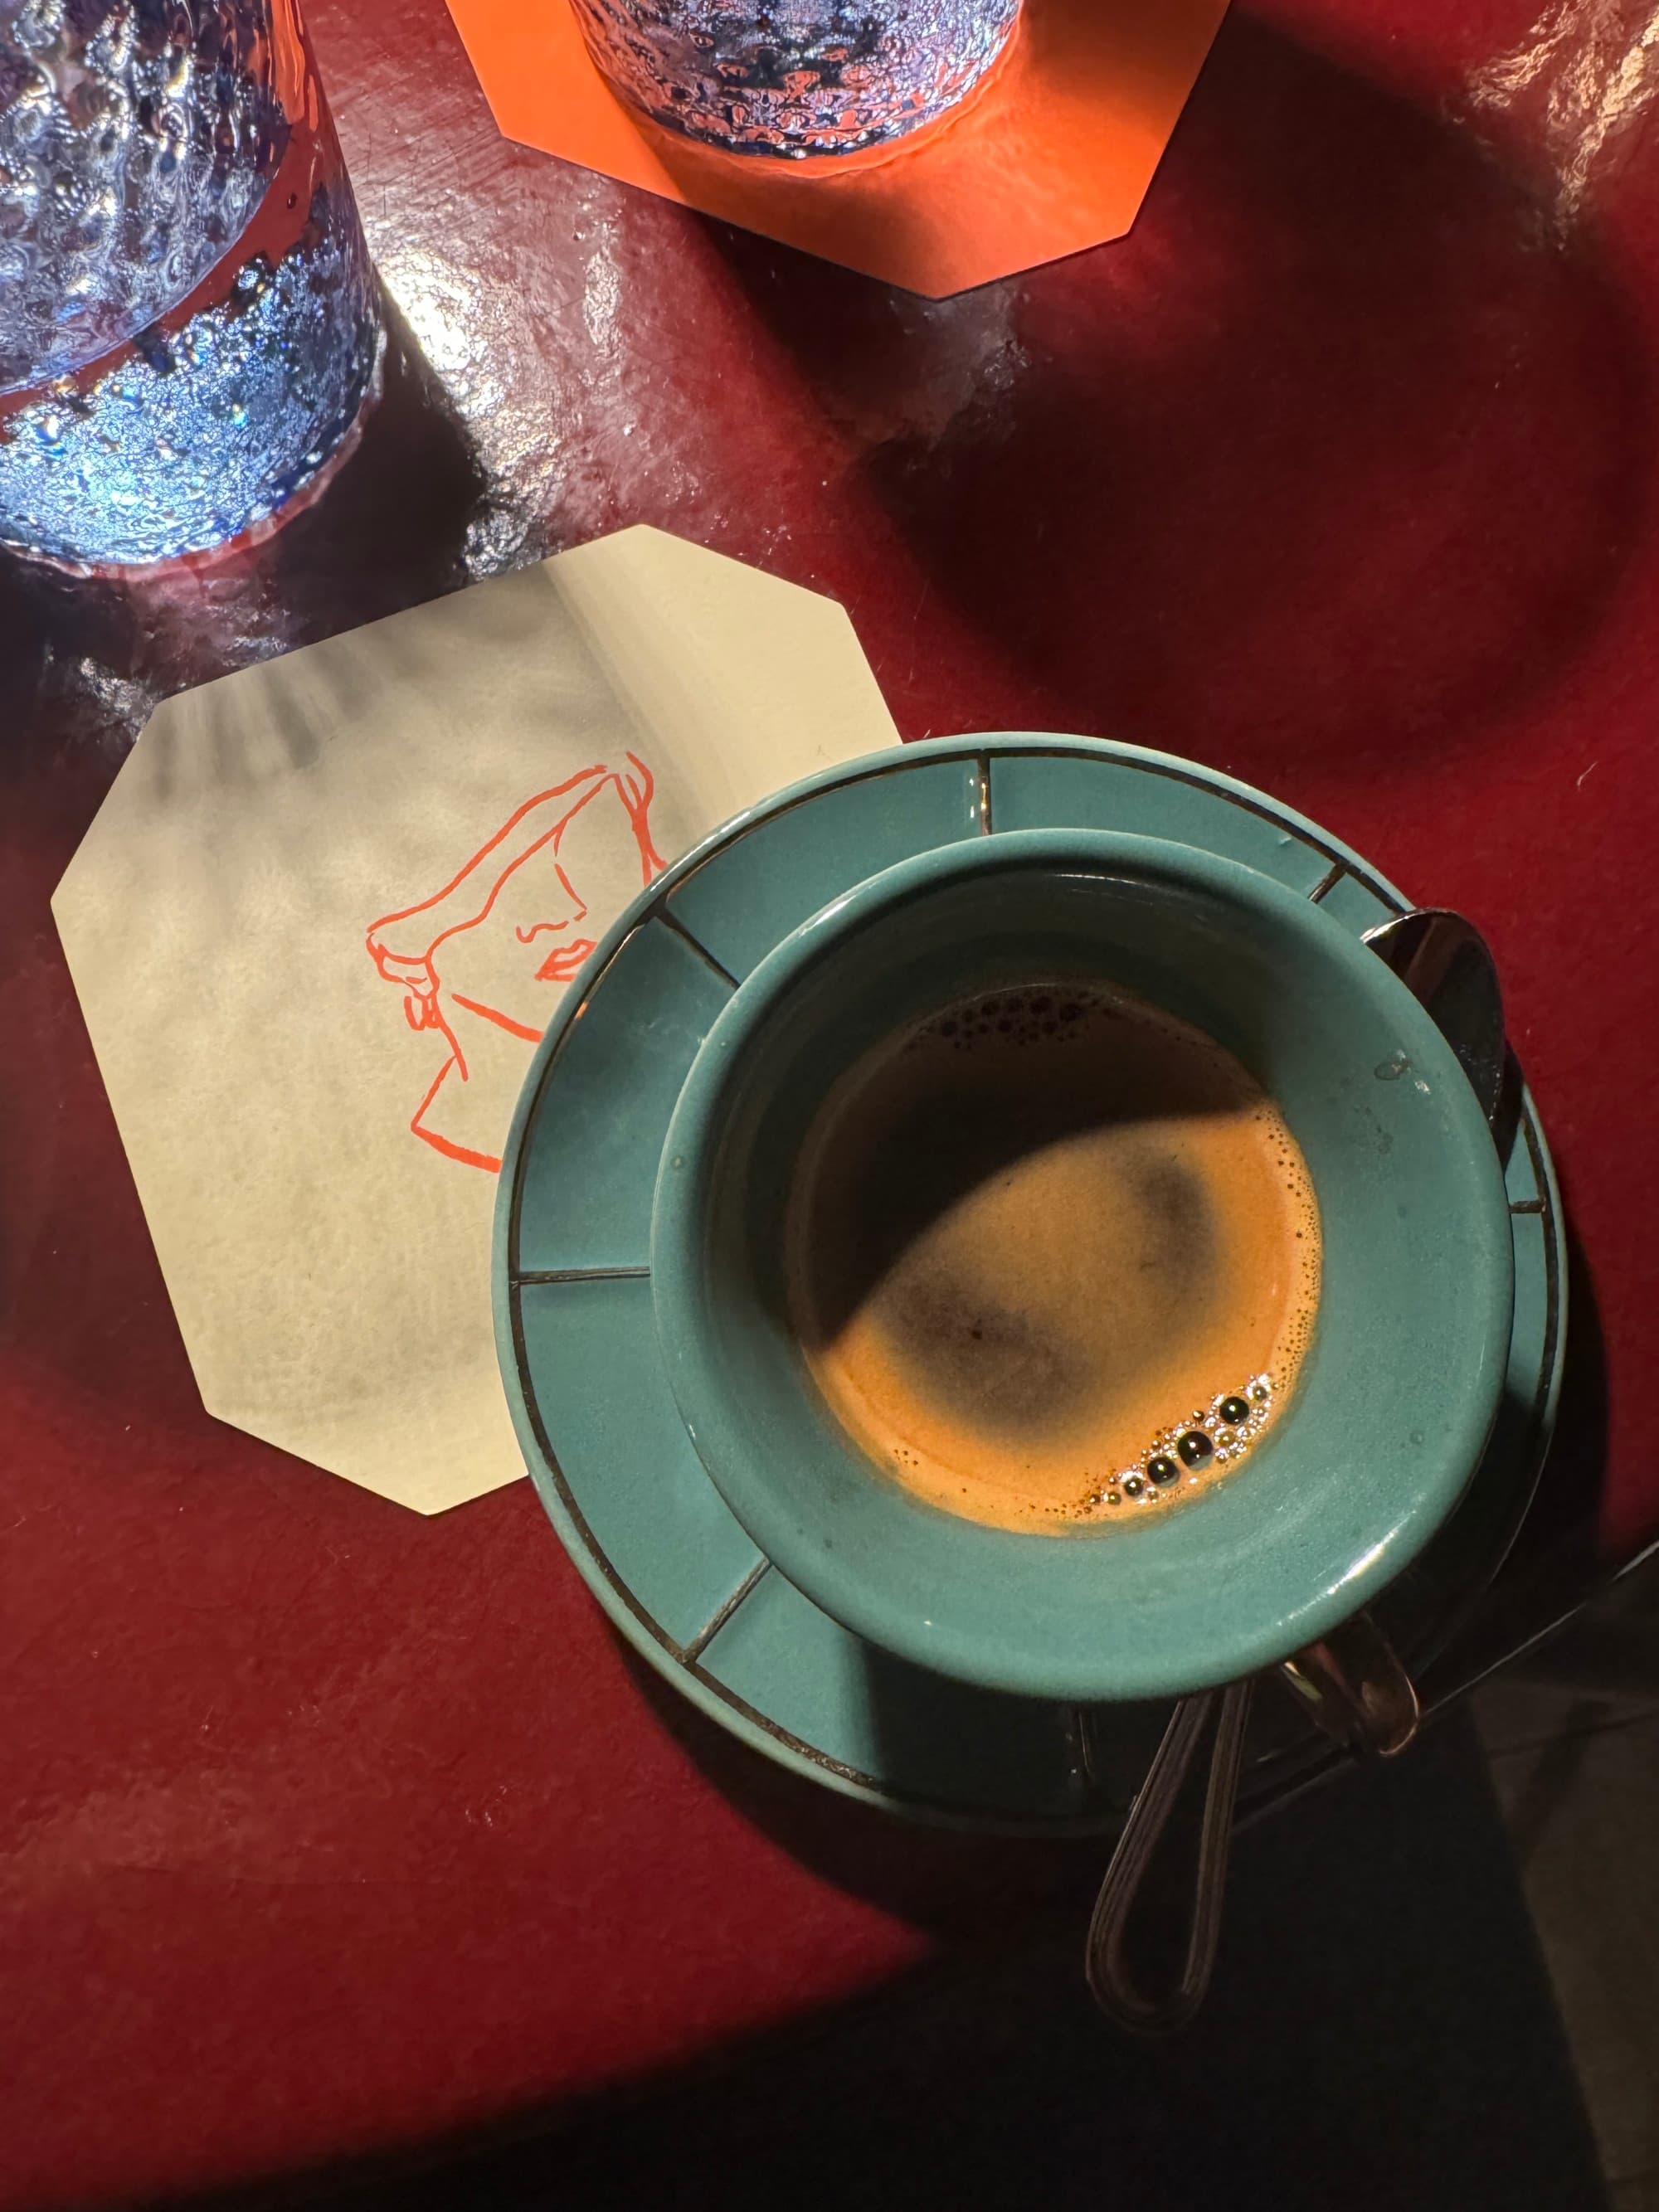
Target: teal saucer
x=585, y=1381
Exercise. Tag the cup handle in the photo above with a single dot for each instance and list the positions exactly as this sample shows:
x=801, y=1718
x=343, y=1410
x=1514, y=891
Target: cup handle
x=1351, y=1684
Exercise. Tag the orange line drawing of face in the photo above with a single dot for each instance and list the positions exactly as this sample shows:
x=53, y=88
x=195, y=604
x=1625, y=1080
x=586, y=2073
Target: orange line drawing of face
x=475, y=961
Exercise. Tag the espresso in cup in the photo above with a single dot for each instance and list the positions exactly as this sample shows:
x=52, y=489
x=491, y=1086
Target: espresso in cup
x=1053, y=1256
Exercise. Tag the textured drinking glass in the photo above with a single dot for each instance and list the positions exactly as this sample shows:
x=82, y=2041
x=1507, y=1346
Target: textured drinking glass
x=189, y=334
x=799, y=76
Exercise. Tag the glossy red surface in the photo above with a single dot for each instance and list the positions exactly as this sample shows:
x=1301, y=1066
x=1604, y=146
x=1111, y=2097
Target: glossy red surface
x=326, y=1827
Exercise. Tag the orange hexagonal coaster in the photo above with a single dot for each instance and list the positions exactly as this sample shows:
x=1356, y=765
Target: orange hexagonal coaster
x=1052, y=154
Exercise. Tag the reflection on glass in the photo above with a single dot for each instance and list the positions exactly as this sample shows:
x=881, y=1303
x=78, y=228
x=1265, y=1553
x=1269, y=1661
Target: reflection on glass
x=188, y=327
x=799, y=76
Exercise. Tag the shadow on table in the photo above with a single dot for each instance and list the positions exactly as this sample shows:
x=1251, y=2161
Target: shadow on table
x=1340, y=453
x=1381, y=2034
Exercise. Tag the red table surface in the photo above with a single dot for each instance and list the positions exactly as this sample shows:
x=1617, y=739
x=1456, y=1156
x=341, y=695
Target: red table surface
x=326, y=1827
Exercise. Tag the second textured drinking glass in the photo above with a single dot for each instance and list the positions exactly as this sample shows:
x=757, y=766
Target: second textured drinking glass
x=798, y=77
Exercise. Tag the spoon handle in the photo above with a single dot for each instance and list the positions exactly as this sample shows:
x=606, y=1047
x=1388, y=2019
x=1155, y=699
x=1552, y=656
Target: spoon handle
x=1354, y=1686
x=1116, y=1989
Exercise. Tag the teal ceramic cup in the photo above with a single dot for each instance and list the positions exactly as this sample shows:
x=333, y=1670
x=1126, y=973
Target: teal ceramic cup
x=1396, y=1394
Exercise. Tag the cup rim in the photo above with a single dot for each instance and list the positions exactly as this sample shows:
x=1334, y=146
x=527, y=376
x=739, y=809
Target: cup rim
x=686, y=1329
